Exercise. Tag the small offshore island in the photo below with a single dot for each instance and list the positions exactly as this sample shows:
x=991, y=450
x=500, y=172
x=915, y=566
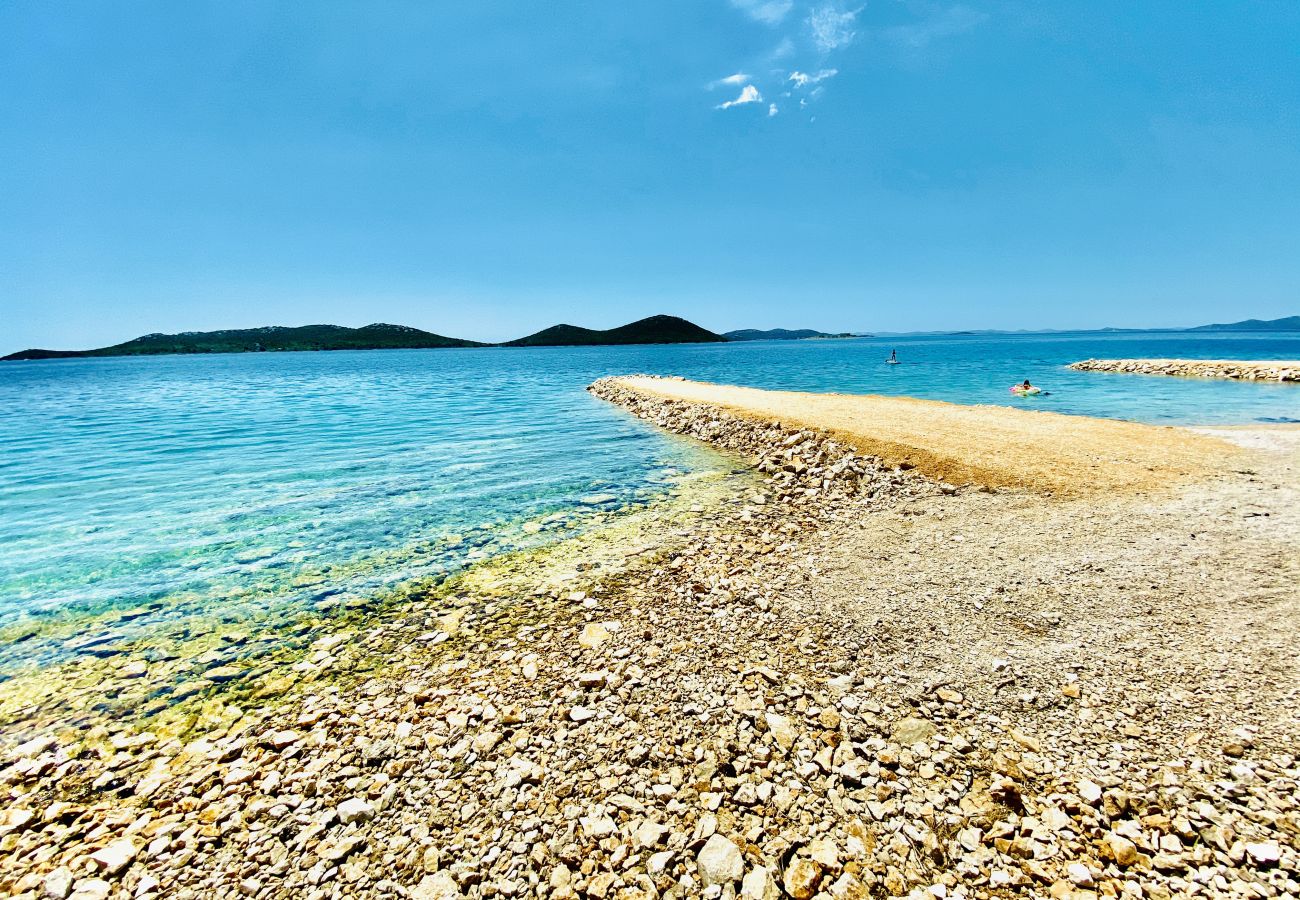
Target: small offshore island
x=924, y=650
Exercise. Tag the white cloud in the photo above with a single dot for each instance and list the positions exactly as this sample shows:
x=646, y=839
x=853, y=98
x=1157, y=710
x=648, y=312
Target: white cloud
x=832, y=28
x=772, y=110
x=803, y=79
x=748, y=94
x=769, y=12
x=738, y=78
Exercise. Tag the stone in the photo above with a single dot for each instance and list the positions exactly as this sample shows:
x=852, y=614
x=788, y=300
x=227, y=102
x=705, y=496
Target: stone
x=782, y=729
x=581, y=714
x=58, y=884
x=282, y=739
x=222, y=674
x=355, y=810
x=659, y=862
x=486, y=740
x=1079, y=875
x=913, y=730
x=35, y=747
x=90, y=889
x=593, y=635
x=598, y=826
x=114, y=858
x=824, y=852
x=1120, y=849
x=438, y=886
x=649, y=834
x=720, y=862
x=802, y=878
x=1264, y=853
x=758, y=885
x=1090, y=792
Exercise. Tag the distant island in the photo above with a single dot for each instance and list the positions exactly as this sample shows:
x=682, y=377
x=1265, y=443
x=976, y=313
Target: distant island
x=782, y=334
x=270, y=338
x=275, y=338
x=654, y=330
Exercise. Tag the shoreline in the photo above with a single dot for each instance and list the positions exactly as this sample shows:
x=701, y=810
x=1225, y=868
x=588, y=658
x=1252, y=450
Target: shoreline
x=848, y=679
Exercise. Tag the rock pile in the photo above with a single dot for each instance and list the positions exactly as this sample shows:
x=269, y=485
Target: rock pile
x=803, y=464
x=1239, y=370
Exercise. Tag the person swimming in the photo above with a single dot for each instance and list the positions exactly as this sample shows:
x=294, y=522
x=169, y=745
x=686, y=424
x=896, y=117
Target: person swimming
x=1026, y=385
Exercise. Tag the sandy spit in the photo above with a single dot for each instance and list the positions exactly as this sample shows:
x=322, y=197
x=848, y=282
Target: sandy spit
x=992, y=446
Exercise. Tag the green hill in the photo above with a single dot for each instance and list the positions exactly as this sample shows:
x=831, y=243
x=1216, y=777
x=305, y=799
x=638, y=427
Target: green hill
x=654, y=330
x=270, y=338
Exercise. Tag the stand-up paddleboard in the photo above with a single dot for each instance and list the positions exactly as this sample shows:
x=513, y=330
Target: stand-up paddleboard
x=893, y=362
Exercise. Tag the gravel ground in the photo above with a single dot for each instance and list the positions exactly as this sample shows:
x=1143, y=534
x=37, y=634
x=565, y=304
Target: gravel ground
x=844, y=680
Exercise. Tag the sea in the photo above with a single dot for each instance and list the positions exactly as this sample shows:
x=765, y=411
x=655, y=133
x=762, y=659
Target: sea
x=158, y=486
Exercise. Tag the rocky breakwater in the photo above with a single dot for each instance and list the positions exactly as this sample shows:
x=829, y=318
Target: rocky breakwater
x=706, y=722
x=1238, y=370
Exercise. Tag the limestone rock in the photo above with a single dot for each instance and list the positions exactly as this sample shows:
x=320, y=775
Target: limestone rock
x=720, y=861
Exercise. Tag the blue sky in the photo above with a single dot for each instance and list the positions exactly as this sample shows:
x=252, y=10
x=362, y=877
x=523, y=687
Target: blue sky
x=487, y=169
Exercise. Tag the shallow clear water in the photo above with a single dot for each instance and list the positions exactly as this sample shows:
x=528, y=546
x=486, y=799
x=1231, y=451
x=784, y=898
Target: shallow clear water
x=241, y=481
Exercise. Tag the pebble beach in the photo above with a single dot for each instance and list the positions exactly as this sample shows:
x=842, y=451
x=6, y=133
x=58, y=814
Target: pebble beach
x=886, y=657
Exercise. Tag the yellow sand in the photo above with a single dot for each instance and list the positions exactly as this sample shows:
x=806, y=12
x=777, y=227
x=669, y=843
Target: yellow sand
x=987, y=445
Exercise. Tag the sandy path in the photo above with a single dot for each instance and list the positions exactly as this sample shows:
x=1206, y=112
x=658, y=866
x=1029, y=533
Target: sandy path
x=987, y=445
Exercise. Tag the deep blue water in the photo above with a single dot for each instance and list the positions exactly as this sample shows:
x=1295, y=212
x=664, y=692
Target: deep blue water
x=256, y=479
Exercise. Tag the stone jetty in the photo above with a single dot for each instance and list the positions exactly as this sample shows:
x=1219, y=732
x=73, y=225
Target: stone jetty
x=1237, y=370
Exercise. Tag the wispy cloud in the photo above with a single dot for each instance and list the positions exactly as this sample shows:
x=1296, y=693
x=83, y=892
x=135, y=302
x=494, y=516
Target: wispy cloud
x=803, y=79
x=832, y=27
x=748, y=94
x=769, y=12
x=809, y=34
x=939, y=24
x=738, y=78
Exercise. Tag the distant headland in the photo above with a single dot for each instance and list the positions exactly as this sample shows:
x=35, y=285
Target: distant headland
x=661, y=329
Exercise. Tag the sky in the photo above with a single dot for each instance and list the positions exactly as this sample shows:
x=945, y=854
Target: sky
x=484, y=170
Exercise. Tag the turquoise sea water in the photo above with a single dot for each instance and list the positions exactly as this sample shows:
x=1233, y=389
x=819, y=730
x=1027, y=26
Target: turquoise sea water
x=235, y=482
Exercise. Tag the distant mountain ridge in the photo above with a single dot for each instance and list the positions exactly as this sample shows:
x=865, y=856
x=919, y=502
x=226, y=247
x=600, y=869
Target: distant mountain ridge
x=379, y=336
x=661, y=329
x=1287, y=323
